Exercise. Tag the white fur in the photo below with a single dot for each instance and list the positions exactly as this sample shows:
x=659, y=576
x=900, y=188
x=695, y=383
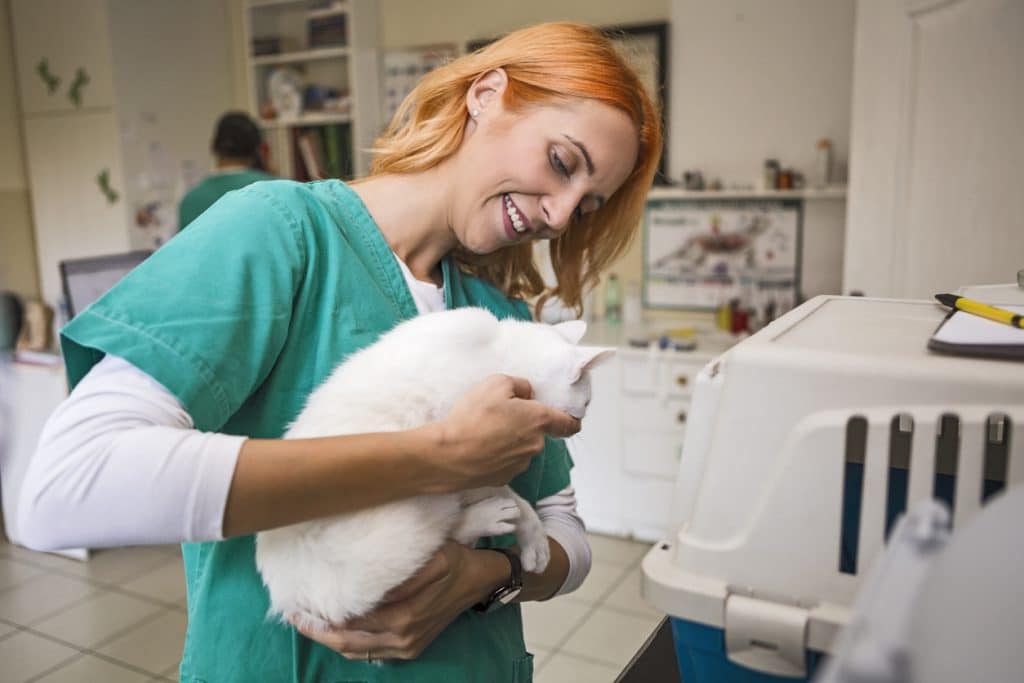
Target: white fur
x=329, y=570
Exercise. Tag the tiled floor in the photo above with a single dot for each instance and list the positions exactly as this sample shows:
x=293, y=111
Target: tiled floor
x=120, y=617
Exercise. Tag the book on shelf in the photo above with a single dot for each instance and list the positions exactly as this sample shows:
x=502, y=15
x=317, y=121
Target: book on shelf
x=328, y=31
x=311, y=150
x=319, y=152
x=338, y=151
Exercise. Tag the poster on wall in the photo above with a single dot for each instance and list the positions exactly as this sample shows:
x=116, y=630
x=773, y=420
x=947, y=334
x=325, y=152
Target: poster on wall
x=701, y=254
x=404, y=68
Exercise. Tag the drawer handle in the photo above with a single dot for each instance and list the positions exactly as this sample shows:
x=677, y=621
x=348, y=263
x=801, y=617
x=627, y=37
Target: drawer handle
x=681, y=380
x=681, y=417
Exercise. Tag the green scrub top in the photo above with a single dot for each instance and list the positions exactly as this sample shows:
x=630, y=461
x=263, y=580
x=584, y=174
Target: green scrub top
x=241, y=316
x=211, y=188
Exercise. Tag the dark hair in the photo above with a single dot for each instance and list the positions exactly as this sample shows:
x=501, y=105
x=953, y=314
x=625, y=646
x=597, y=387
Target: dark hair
x=238, y=137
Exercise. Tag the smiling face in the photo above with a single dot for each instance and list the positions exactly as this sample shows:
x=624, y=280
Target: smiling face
x=526, y=175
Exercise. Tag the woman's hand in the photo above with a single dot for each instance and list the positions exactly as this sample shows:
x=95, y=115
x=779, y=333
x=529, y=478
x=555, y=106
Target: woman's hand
x=493, y=431
x=414, y=613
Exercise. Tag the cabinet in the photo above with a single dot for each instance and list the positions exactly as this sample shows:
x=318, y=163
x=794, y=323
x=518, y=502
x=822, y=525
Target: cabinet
x=144, y=110
x=71, y=143
x=74, y=217
x=627, y=454
x=328, y=50
x=58, y=43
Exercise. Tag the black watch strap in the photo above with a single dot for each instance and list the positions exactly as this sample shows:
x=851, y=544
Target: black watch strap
x=506, y=592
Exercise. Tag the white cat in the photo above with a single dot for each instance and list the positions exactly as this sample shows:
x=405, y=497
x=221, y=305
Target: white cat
x=332, y=569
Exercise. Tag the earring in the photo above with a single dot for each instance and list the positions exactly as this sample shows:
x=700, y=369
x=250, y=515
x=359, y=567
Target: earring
x=475, y=113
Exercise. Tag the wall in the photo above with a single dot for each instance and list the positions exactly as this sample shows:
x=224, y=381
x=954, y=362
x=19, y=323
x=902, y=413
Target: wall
x=172, y=62
x=750, y=80
x=935, y=202
x=406, y=23
x=18, y=270
x=753, y=80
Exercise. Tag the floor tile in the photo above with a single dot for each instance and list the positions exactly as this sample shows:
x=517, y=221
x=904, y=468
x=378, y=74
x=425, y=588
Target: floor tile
x=155, y=646
x=165, y=583
x=610, y=636
x=89, y=623
x=25, y=655
x=546, y=624
x=88, y=668
x=617, y=551
x=628, y=598
x=13, y=572
x=40, y=597
x=599, y=581
x=114, y=566
x=44, y=560
x=564, y=668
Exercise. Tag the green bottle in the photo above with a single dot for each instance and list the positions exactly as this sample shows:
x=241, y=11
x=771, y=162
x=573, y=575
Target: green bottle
x=613, y=299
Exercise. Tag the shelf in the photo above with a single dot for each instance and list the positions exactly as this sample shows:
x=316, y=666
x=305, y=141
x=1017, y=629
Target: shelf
x=310, y=119
x=301, y=56
x=254, y=4
x=328, y=12
x=341, y=8
x=810, y=193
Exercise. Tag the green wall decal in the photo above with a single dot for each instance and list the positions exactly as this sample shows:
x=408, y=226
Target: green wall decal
x=75, y=93
x=103, y=179
x=51, y=80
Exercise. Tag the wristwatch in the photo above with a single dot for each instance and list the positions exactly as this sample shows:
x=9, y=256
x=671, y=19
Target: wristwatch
x=506, y=593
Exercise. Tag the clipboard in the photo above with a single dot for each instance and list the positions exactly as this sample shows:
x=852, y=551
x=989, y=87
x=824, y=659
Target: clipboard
x=964, y=334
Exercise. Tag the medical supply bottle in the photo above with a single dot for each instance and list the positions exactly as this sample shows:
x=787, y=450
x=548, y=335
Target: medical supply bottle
x=613, y=299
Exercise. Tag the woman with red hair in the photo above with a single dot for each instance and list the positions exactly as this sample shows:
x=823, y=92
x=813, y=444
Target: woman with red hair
x=172, y=432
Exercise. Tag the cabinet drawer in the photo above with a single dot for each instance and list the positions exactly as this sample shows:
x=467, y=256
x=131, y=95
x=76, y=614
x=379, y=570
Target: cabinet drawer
x=651, y=414
x=652, y=453
x=647, y=506
x=657, y=375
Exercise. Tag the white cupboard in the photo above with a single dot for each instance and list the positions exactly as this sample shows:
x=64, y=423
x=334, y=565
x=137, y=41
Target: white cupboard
x=628, y=452
x=74, y=217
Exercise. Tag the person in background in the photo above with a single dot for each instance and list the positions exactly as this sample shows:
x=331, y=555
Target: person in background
x=188, y=371
x=241, y=159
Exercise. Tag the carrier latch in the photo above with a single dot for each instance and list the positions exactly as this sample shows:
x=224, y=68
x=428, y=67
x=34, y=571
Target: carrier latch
x=766, y=636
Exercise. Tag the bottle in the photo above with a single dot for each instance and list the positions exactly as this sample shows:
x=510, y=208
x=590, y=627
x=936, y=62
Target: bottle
x=613, y=299
x=823, y=163
x=771, y=174
x=632, y=305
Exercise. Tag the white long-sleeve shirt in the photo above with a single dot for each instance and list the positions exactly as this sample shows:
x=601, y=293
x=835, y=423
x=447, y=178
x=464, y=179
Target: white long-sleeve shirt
x=120, y=463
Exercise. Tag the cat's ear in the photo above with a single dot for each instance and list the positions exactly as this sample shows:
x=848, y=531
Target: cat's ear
x=589, y=357
x=571, y=330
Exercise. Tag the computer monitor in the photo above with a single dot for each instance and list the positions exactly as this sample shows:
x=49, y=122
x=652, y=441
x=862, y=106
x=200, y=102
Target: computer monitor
x=87, y=279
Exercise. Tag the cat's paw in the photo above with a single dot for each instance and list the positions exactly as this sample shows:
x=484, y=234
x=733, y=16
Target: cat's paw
x=535, y=555
x=487, y=517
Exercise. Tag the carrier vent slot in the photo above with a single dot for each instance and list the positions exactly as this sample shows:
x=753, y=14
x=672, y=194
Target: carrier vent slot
x=853, y=491
x=947, y=455
x=901, y=434
x=997, y=455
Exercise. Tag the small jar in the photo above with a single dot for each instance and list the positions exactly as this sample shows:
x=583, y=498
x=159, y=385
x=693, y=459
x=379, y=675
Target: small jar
x=823, y=163
x=771, y=174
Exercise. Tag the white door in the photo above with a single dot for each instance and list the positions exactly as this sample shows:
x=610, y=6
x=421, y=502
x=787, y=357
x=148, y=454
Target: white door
x=936, y=147
x=62, y=50
x=75, y=216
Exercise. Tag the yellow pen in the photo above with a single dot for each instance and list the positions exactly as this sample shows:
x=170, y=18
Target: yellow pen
x=984, y=310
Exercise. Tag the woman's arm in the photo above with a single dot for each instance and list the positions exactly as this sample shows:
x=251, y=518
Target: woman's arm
x=118, y=464
x=490, y=436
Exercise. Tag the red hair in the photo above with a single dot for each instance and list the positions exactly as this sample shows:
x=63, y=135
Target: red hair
x=545, y=64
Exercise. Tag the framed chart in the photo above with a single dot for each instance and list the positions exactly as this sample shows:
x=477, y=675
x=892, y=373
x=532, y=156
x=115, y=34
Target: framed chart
x=700, y=254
